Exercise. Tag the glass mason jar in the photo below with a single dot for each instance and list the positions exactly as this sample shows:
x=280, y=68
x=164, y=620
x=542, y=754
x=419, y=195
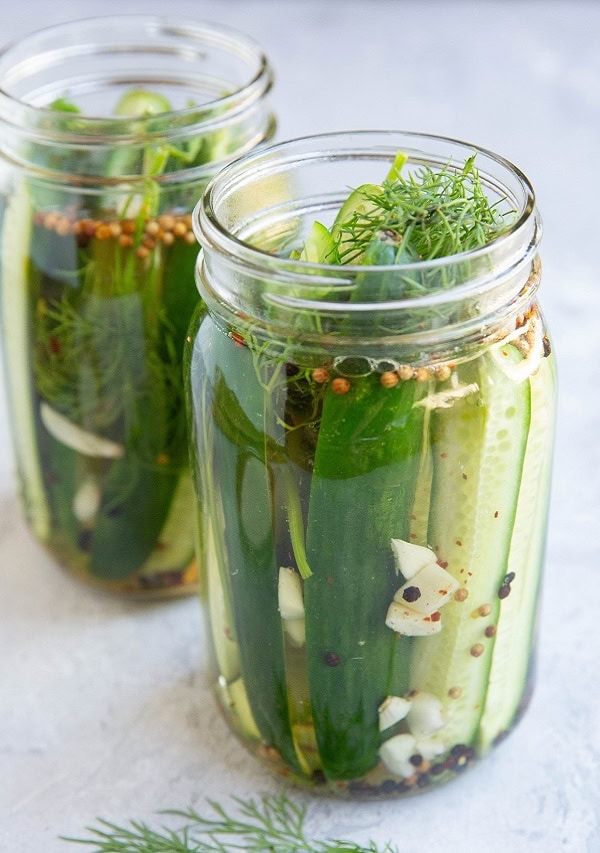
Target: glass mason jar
x=109, y=131
x=331, y=435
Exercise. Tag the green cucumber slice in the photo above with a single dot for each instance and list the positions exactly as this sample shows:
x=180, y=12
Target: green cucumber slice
x=516, y=627
x=16, y=324
x=245, y=447
x=361, y=496
x=478, y=450
x=319, y=247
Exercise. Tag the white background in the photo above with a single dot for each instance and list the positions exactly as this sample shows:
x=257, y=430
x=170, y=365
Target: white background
x=103, y=707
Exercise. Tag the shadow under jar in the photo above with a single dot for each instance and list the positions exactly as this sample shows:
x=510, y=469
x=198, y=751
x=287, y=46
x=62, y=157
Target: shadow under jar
x=109, y=132
x=372, y=429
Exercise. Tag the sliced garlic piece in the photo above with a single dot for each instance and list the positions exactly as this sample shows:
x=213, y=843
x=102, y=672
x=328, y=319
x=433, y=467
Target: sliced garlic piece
x=291, y=602
x=428, y=590
x=426, y=715
x=411, y=558
x=396, y=754
x=391, y=711
x=296, y=631
x=410, y=623
x=86, y=501
x=73, y=436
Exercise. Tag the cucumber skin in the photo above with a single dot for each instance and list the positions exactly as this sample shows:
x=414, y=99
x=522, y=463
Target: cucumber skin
x=476, y=474
x=244, y=439
x=361, y=496
x=514, y=644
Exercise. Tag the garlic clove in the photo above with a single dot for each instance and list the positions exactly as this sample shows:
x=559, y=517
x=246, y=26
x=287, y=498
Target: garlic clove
x=291, y=601
x=428, y=590
x=410, y=623
x=410, y=558
x=86, y=501
x=296, y=631
x=391, y=711
x=73, y=436
x=396, y=754
x=426, y=715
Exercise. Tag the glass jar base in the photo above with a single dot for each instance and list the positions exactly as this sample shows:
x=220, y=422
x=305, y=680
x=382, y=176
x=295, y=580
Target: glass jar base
x=173, y=582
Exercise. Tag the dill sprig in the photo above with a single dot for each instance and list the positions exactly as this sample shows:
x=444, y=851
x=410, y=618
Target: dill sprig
x=274, y=823
x=428, y=213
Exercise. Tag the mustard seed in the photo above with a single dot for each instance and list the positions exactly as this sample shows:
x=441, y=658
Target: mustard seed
x=340, y=385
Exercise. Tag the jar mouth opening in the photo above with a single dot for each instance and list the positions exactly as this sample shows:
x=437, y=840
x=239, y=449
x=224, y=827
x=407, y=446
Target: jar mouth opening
x=171, y=57
x=219, y=228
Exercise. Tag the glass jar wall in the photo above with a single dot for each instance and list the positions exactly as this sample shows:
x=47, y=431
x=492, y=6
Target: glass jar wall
x=372, y=449
x=109, y=131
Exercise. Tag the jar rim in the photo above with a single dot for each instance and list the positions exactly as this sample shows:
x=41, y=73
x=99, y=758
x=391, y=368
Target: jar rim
x=49, y=123
x=211, y=232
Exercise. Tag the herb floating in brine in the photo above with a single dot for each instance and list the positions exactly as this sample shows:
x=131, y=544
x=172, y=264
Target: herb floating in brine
x=368, y=492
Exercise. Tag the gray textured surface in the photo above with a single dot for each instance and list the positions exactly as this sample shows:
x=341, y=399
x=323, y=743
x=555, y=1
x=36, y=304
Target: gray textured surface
x=103, y=709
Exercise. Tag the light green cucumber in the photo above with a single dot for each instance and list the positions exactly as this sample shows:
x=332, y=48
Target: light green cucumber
x=176, y=541
x=516, y=624
x=319, y=247
x=478, y=447
x=16, y=326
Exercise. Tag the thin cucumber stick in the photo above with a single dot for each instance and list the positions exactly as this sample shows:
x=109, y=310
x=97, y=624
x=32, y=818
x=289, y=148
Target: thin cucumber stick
x=362, y=492
x=245, y=448
x=478, y=448
x=516, y=625
x=16, y=327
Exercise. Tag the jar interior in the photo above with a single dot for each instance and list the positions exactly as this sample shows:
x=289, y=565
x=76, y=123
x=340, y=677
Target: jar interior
x=93, y=62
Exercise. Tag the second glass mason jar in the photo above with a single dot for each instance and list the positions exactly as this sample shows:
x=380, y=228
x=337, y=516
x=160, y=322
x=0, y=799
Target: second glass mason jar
x=372, y=445
x=110, y=129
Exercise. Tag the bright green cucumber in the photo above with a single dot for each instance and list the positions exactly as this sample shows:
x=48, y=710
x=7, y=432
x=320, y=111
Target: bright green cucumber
x=478, y=447
x=362, y=493
x=516, y=625
x=16, y=326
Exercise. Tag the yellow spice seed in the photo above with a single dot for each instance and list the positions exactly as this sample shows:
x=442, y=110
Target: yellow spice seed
x=477, y=650
x=149, y=243
x=442, y=372
x=320, y=374
x=142, y=252
x=422, y=374
x=405, y=372
x=340, y=385
x=128, y=226
x=115, y=229
x=461, y=594
x=152, y=227
x=50, y=220
x=63, y=226
x=166, y=222
x=168, y=238
x=190, y=238
x=102, y=231
x=389, y=379
x=180, y=229
x=484, y=610
x=126, y=240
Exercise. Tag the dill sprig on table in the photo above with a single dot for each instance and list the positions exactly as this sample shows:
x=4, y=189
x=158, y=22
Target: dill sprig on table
x=429, y=213
x=274, y=824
